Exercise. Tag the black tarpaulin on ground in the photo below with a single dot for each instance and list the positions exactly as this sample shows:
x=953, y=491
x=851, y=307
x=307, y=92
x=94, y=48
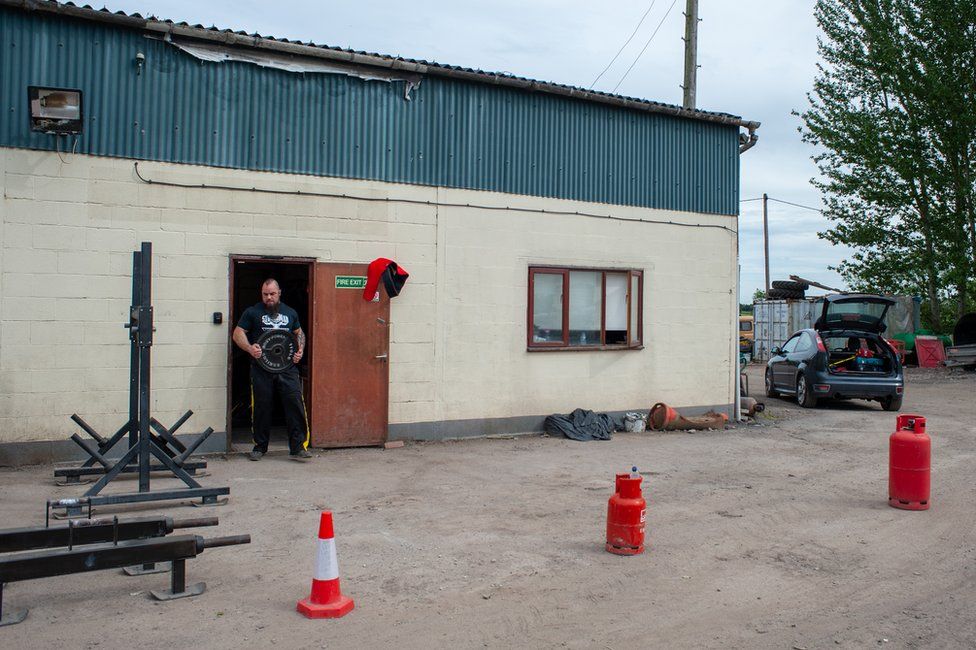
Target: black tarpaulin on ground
x=581, y=425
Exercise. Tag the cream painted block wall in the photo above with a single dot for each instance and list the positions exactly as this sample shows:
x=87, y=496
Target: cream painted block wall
x=689, y=295
x=458, y=333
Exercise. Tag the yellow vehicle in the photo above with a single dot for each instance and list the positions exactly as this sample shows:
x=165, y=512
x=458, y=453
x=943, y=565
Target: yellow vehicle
x=747, y=334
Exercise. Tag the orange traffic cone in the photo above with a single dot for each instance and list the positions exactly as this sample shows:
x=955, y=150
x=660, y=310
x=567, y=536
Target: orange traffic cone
x=326, y=599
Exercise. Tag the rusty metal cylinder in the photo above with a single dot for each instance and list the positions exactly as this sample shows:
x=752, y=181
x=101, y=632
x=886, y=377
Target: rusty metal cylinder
x=195, y=522
x=228, y=540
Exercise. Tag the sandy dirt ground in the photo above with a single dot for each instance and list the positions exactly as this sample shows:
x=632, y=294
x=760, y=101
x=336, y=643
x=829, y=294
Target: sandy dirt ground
x=769, y=535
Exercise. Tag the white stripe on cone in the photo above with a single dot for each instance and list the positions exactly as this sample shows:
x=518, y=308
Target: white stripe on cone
x=326, y=561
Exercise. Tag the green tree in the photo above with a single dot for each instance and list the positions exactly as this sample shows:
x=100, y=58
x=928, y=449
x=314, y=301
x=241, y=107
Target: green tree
x=893, y=111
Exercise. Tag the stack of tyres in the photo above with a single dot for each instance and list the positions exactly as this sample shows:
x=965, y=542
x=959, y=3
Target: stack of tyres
x=787, y=289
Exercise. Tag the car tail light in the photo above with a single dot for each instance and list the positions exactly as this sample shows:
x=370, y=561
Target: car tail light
x=821, y=388
x=820, y=345
x=899, y=390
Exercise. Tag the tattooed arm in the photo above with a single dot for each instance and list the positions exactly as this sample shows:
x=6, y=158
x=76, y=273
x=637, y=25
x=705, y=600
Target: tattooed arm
x=300, y=339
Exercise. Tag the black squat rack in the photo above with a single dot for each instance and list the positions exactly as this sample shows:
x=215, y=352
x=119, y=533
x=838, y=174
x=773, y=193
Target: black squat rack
x=147, y=437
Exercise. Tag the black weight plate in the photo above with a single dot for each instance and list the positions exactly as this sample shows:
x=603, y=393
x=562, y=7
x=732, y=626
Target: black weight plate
x=277, y=349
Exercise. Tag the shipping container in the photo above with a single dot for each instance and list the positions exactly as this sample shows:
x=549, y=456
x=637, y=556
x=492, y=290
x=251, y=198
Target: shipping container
x=776, y=320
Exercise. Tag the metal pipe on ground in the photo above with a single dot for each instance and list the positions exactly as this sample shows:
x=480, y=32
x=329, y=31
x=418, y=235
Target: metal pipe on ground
x=77, y=532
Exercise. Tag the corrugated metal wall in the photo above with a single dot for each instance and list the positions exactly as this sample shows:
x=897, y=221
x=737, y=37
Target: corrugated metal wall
x=452, y=134
x=776, y=320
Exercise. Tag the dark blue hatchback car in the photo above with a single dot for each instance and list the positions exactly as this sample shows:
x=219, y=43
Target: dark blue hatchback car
x=844, y=356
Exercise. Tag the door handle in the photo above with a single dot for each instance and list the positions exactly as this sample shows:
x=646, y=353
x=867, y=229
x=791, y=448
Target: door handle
x=382, y=356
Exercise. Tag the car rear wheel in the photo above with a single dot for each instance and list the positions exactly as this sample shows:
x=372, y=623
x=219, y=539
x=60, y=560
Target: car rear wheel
x=770, y=388
x=804, y=396
x=891, y=403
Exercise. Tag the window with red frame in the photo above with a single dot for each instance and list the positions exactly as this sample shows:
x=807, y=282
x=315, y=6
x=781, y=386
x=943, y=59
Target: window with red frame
x=584, y=308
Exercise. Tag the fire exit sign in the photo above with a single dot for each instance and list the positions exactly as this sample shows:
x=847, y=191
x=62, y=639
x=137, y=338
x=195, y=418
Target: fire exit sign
x=350, y=281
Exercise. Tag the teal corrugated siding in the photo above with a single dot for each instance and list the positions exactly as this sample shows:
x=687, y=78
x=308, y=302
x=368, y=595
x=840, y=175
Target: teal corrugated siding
x=452, y=133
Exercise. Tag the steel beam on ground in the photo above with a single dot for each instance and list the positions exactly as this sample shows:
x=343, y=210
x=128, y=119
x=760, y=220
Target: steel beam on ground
x=208, y=496
x=49, y=563
x=68, y=472
x=93, y=531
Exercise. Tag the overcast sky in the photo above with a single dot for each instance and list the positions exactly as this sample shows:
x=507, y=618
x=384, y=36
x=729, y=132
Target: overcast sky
x=757, y=60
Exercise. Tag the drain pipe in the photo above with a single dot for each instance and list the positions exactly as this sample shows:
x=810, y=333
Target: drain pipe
x=747, y=142
x=736, y=371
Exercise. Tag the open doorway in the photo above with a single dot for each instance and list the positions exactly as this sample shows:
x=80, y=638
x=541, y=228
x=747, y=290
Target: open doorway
x=247, y=273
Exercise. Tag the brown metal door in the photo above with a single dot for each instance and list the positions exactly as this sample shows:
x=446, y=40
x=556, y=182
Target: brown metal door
x=349, y=364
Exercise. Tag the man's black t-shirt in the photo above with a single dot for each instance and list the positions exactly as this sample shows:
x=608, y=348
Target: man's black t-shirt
x=256, y=320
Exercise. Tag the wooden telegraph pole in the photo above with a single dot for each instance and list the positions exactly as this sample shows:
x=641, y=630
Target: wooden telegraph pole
x=691, y=53
x=766, y=238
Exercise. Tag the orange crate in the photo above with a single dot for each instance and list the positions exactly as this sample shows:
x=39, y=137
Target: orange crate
x=899, y=347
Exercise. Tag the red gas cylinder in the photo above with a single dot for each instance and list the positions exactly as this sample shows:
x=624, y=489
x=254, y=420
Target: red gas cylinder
x=910, y=454
x=626, y=514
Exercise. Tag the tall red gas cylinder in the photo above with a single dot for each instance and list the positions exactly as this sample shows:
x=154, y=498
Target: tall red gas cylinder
x=626, y=514
x=909, y=464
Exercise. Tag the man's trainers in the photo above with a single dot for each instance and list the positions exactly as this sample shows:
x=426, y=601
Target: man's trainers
x=255, y=454
x=304, y=454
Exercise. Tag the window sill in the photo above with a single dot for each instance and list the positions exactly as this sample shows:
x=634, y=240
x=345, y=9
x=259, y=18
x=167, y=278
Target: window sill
x=586, y=348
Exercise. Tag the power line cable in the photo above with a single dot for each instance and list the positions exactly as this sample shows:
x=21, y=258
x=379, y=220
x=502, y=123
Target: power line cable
x=796, y=205
x=666, y=14
x=384, y=199
x=624, y=45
